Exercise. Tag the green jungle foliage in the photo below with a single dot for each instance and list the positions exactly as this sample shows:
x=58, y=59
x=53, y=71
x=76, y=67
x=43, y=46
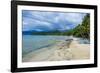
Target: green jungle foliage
x=82, y=30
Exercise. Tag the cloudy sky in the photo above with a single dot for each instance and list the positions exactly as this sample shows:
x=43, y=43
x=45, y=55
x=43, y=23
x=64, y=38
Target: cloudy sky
x=49, y=21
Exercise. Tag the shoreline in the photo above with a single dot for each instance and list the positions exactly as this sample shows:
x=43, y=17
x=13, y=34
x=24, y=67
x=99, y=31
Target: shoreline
x=60, y=51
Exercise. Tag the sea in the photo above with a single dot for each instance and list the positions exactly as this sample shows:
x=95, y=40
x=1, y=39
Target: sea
x=31, y=43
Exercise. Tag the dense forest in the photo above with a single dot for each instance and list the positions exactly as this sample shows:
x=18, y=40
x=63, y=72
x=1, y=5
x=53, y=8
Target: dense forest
x=82, y=30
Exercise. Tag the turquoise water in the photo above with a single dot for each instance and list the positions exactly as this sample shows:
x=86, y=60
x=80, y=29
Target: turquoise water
x=33, y=42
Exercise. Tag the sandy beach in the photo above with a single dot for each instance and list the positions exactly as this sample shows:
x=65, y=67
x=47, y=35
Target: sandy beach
x=61, y=51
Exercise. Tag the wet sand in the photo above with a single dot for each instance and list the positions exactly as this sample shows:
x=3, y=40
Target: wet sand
x=61, y=51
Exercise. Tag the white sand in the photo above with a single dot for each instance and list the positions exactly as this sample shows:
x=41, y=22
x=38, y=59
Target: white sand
x=61, y=51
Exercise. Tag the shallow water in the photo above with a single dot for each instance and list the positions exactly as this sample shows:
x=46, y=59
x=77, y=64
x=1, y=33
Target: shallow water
x=35, y=42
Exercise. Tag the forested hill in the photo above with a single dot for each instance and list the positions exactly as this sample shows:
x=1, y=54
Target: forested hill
x=82, y=30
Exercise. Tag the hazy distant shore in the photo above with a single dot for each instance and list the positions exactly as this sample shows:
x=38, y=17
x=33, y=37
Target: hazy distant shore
x=63, y=50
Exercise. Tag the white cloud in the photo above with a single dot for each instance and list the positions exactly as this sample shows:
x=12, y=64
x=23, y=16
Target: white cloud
x=51, y=20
